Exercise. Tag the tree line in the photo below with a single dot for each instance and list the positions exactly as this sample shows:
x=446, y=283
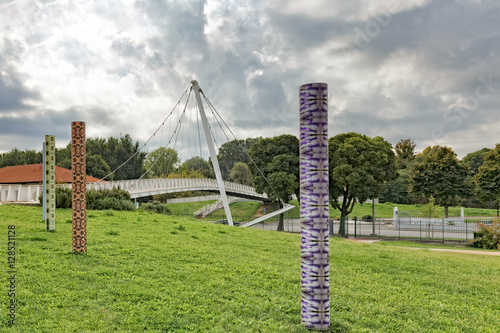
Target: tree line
x=360, y=168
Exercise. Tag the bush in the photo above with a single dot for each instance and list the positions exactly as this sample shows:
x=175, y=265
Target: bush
x=94, y=195
x=111, y=203
x=63, y=198
x=367, y=218
x=487, y=236
x=156, y=207
x=115, y=199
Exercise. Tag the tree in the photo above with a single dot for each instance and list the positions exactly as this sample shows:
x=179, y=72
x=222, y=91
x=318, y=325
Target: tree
x=197, y=163
x=487, y=178
x=63, y=157
x=116, y=151
x=276, y=160
x=97, y=166
x=241, y=174
x=405, y=152
x=232, y=152
x=161, y=161
x=474, y=160
x=430, y=210
x=359, y=166
x=19, y=157
x=438, y=173
x=397, y=190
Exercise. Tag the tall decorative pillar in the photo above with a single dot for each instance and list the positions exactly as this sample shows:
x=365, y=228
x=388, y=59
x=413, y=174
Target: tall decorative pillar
x=78, y=168
x=314, y=207
x=49, y=179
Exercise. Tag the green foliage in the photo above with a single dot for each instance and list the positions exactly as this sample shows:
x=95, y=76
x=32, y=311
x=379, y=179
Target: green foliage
x=160, y=162
x=115, y=151
x=284, y=184
x=274, y=155
x=134, y=278
x=438, y=173
x=487, y=236
x=430, y=209
x=398, y=190
x=233, y=152
x=111, y=203
x=115, y=199
x=105, y=155
x=359, y=166
x=241, y=174
x=96, y=166
x=475, y=160
x=277, y=159
x=487, y=179
x=155, y=207
x=367, y=218
x=63, y=197
x=19, y=157
x=405, y=152
x=199, y=165
x=63, y=157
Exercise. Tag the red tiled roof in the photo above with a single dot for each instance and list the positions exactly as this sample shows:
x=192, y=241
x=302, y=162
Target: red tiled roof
x=33, y=173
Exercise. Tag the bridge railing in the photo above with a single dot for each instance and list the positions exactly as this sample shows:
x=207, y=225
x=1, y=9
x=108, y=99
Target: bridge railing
x=15, y=192
x=159, y=183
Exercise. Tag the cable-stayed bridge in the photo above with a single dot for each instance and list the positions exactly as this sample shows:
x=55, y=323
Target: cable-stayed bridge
x=147, y=187
x=138, y=188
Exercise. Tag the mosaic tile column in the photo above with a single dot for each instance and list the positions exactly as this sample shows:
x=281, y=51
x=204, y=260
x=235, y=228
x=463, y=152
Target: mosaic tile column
x=78, y=167
x=49, y=169
x=314, y=207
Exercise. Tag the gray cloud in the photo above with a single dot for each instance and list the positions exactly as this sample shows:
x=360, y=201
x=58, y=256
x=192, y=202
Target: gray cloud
x=13, y=94
x=398, y=71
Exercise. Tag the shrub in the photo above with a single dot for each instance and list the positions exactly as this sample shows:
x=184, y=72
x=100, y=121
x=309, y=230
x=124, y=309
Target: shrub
x=367, y=218
x=115, y=199
x=63, y=198
x=155, y=207
x=487, y=236
x=110, y=203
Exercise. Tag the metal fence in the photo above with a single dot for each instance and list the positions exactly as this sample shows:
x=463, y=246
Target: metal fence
x=442, y=231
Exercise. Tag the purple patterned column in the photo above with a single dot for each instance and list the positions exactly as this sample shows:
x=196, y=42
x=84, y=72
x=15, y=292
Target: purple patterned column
x=314, y=207
x=78, y=167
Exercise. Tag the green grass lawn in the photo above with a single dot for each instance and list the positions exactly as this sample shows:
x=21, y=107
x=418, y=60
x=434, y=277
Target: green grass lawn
x=156, y=273
x=243, y=210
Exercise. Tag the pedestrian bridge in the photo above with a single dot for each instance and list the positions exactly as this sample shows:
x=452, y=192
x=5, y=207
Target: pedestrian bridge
x=138, y=188
x=147, y=187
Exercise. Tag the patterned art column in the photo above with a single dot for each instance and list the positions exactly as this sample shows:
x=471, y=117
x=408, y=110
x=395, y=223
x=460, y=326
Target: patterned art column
x=49, y=169
x=314, y=206
x=78, y=167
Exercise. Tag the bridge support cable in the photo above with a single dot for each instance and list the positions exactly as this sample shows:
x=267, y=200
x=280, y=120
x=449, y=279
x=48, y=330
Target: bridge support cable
x=214, y=112
x=196, y=88
x=174, y=134
x=151, y=137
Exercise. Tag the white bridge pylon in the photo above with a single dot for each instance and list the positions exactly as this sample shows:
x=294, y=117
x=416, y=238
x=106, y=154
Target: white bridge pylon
x=213, y=156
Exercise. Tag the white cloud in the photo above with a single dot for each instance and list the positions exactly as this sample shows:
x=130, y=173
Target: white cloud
x=395, y=69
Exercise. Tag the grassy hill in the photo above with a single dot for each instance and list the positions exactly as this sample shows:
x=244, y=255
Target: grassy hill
x=156, y=273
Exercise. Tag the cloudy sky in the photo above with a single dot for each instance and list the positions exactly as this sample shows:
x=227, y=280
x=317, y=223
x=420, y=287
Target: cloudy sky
x=428, y=70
